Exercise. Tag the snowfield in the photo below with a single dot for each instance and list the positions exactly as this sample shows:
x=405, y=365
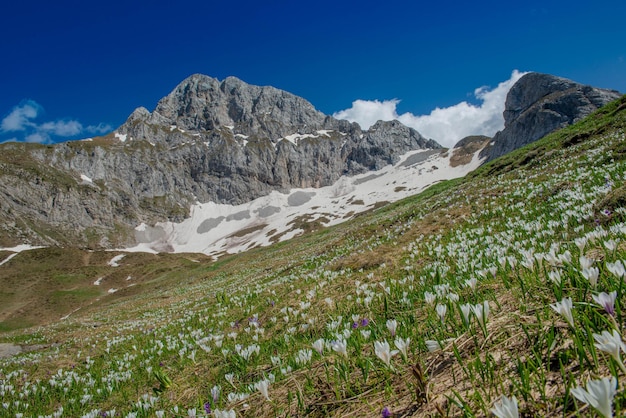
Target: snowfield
x=216, y=229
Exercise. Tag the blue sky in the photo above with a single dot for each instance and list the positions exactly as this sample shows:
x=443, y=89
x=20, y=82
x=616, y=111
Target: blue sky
x=74, y=69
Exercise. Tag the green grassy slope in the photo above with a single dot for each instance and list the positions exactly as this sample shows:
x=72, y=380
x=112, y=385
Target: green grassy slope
x=437, y=305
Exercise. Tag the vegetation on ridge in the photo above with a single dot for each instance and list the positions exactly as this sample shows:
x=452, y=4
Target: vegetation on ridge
x=501, y=293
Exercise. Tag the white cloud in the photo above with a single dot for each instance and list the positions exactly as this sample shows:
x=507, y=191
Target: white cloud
x=19, y=118
x=22, y=118
x=37, y=137
x=445, y=125
x=368, y=112
x=62, y=128
x=101, y=128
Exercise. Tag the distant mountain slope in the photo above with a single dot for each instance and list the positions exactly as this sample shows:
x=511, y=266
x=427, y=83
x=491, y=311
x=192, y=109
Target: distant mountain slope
x=208, y=141
x=216, y=229
x=229, y=144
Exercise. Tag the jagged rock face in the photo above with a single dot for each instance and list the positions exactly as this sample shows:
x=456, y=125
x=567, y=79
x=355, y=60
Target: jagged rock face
x=202, y=103
x=539, y=104
x=241, y=141
x=225, y=142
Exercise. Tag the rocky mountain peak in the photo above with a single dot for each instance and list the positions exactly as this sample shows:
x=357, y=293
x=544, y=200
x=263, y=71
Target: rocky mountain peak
x=529, y=89
x=541, y=103
x=224, y=142
x=202, y=103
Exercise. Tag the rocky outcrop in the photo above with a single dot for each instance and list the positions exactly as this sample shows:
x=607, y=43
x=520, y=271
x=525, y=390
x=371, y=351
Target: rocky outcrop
x=208, y=140
x=465, y=150
x=202, y=103
x=240, y=141
x=539, y=104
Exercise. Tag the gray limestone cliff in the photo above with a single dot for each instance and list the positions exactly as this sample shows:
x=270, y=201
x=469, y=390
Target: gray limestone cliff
x=538, y=104
x=240, y=142
x=208, y=140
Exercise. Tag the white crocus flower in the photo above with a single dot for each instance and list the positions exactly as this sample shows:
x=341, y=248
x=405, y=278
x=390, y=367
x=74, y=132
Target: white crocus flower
x=555, y=277
x=599, y=394
x=564, y=308
x=383, y=352
x=585, y=262
x=506, y=408
x=580, y=243
x=465, y=310
x=429, y=297
x=230, y=378
x=434, y=345
x=611, y=343
x=318, y=345
x=606, y=301
x=263, y=387
x=340, y=346
x=218, y=413
x=591, y=274
x=392, y=325
x=453, y=297
x=611, y=245
x=471, y=283
x=617, y=269
x=441, y=311
x=402, y=345
x=482, y=312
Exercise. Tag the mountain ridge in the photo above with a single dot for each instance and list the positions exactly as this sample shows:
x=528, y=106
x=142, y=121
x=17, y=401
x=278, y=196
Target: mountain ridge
x=225, y=142
x=156, y=165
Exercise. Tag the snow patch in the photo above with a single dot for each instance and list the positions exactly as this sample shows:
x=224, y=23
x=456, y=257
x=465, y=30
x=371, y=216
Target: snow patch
x=295, y=138
x=114, y=262
x=214, y=229
x=86, y=179
x=243, y=138
x=20, y=248
x=121, y=137
x=63, y=318
x=97, y=282
x=6, y=260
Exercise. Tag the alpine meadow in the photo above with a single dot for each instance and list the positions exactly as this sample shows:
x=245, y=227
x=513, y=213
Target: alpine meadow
x=491, y=290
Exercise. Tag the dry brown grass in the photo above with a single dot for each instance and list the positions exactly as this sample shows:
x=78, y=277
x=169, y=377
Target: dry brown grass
x=464, y=154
